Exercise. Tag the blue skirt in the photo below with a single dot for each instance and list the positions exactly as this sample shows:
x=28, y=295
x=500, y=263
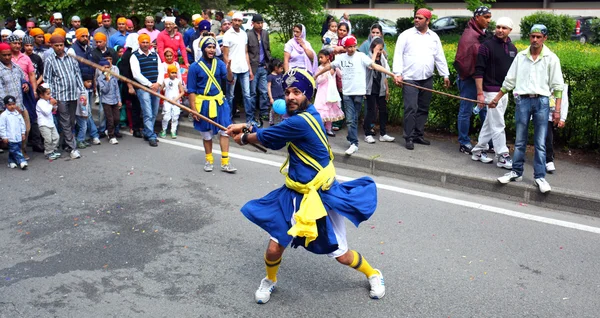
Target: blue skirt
x=223, y=117
x=356, y=200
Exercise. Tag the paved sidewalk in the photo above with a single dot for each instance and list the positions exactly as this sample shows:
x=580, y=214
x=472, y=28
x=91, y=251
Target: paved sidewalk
x=574, y=187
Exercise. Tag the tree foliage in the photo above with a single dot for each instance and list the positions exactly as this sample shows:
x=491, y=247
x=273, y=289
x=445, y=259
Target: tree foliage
x=90, y=8
x=285, y=13
x=471, y=5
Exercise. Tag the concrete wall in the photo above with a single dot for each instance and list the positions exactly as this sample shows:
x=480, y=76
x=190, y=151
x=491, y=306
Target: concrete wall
x=395, y=11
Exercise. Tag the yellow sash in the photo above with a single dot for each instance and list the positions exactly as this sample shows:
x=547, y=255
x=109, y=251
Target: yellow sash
x=213, y=101
x=311, y=207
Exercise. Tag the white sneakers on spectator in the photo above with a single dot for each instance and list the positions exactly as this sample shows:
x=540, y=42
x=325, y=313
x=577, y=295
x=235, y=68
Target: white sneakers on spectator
x=75, y=154
x=351, y=150
x=263, y=293
x=369, y=139
x=504, y=161
x=96, y=141
x=113, y=141
x=481, y=156
x=542, y=184
x=23, y=165
x=12, y=165
x=386, y=138
x=550, y=167
x=511, y=176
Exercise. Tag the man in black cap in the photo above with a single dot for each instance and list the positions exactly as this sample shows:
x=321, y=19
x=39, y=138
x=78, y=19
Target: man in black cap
x=259, y=52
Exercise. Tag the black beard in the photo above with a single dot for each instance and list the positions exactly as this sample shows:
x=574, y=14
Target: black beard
x=205, y=56
x=301, y=108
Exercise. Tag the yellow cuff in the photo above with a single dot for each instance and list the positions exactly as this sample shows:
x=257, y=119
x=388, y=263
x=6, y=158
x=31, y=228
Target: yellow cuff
x=557, y=94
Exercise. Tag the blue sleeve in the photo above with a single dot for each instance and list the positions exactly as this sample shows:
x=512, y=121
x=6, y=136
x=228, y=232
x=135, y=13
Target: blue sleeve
x=186, y=38
x=222, y=71
x=276, y=137
x=270, y=78
x=191, y=79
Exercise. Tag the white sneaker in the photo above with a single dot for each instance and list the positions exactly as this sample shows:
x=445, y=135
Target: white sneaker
x=24, y=165
x=387, y=138
x=96, y=141
x=481, y=156
x=75, y=154
x=369, y=139
x=228, y=168
x=542, y=184
x=511, y=176
x=550, y=167
x=263, y=293
x=351, y=150
x=208, y=167
x=504, y=161
x=377, y=286
x=12, y=165
x=113, y=141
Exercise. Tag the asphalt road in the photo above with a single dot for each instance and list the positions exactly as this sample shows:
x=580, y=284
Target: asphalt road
x=135, y=231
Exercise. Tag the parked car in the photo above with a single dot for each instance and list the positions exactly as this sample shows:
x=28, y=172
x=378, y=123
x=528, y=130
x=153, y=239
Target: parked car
x=247, y=22
x=583, y=31
x=451, y=24
x=389, y=27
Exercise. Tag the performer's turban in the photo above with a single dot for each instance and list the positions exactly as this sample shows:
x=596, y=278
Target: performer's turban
x=206, y=41
x=300, y=79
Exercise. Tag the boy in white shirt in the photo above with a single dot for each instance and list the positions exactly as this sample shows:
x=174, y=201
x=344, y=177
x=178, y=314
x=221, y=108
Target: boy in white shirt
x=354, y=84
x=12, y=132
x=48, y=130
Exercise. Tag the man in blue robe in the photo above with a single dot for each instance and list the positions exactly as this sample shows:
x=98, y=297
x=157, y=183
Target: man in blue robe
x=309, y=210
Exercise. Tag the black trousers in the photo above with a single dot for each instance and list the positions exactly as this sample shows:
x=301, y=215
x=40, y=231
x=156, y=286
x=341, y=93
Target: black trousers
x=136, y=109
x=375, y=101
x=550, y=142
x=416, y=107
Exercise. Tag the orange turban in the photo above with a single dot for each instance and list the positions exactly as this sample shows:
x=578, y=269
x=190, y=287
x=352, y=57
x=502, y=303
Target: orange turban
x=99, y=19
x=171, y=68
x=99, y=36
x=197, y=21
x=80, y=32
x=121, y=20
x=60, y=31
x=35, y=32
x=47, y=37
x=143, y=37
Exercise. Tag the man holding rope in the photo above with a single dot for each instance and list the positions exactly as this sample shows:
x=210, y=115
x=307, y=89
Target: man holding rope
x=309, y=210
x=206, y=97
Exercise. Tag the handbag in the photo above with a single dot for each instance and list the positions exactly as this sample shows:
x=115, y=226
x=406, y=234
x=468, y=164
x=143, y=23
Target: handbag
x=333, y=96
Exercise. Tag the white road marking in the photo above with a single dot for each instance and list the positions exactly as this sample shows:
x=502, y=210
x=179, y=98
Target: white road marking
x=421, y=194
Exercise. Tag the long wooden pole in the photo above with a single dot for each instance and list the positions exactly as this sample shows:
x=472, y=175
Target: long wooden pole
x=442, y=93
x=146, y=89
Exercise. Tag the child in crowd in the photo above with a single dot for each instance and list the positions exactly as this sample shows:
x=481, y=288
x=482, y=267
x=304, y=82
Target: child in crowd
x=12, y=132
x=327, y=100
x=171, y=59
x=377, y=94
x=44, y=108
x=330, y=38
x=110, y=97
x=174, y=91
x=85, y=122
x=274, y=86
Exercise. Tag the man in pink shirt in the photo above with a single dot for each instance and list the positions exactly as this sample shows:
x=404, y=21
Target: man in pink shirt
x=170, y=38
x=22, y=60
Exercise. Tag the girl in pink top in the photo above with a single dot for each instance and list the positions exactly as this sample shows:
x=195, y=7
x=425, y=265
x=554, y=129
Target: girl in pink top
x=327, y=100
x=170, y=38
x=150, y=30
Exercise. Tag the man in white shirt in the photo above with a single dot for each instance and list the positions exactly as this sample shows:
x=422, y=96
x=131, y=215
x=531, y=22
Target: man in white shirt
x=418, y=49
x=235, y=54
x=354, y=66
x=146, y=70
x=532, y=76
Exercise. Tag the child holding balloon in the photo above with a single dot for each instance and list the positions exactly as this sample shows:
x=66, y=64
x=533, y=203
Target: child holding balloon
x=274, y=87
x=327, y=100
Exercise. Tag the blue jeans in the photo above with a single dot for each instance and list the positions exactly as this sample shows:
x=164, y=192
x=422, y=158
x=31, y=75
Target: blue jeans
x=538, y=109
x=149, y=105
x=260, y=81
x=84, y=124
x=467, y=89
x=353, y=106
x=14, y=153
x=244, y=79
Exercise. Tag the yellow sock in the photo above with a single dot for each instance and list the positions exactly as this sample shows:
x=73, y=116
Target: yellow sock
x=272, y=268
x=360, y=264
x=224, y=158
x=209, y=158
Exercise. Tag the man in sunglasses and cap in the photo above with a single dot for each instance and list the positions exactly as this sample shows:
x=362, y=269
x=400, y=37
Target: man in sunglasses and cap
x=534, y=73
x=309, y=210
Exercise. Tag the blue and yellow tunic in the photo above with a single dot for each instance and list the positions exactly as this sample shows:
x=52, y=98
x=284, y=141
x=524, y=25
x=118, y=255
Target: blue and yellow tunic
x=355, y=200
x=210, y=98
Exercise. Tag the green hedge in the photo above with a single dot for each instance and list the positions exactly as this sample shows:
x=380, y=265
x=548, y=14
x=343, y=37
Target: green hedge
x=596, y=30
x=404, y=24
x=361, y=24
x=560, y=27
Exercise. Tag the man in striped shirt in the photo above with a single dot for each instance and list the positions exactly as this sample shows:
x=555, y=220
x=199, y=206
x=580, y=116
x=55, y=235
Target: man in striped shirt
x=62, y=73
